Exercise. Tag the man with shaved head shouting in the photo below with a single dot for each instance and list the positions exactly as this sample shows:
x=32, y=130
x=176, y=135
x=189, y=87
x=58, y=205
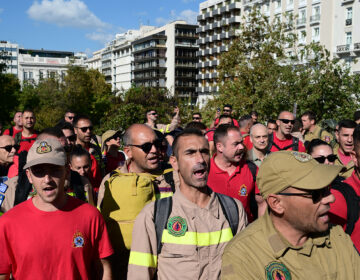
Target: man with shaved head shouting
x=282, y=139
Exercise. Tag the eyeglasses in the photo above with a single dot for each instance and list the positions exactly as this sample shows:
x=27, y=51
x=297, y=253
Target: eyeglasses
x=146, y=147
x=330, y=158
x=315, y=195
x=86, y=128
x=8, y=148
x=286, y=121
x=71, y=138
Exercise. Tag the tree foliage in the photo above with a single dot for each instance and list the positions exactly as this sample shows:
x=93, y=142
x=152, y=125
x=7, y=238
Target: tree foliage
x=267, y=70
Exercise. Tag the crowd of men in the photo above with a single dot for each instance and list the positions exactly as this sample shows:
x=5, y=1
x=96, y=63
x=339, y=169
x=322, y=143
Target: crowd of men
x=239, y=199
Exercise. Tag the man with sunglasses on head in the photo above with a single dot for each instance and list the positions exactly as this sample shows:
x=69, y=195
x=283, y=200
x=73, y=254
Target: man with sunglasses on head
x=151, y=117
x=282, y=139
x=293, y=239
x=125, y=191
x=84, y=136
x=8, y=149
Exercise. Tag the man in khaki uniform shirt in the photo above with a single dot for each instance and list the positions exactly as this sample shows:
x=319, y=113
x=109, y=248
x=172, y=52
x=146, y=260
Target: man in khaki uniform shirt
x=312, y=130
x=197, y=230
x=293, y=240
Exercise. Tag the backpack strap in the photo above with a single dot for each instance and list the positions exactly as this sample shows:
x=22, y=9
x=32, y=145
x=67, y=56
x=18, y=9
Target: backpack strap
x=11, y=131
x=253, y=168
x=352, y=202
x=230, y=210
x=295, y=144
x=17, y=138
x=271, y=142
x=162, y=210
x=168, y=176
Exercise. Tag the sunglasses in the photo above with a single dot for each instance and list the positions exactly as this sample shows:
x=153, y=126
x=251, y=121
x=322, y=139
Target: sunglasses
x=154, y=114
x=196, y=118
x=9, y=148
x=330, y=158
x=286, y=121
x=227, y=110
x=315, y=195
x=86, y=128
x=72, y=138
x=70, y=118
x=146, y=147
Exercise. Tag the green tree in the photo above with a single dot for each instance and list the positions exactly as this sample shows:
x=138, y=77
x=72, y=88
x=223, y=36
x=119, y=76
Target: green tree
x=267, y=70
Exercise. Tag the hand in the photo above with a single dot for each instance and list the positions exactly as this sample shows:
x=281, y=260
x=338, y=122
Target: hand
x=217, y=115
x=176, y=110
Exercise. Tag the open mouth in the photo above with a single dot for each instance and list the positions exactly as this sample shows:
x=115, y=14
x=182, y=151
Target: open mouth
x=200, y=173
x=49, y=190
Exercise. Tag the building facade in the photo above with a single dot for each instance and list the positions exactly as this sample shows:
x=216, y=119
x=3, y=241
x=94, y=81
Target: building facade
x=166, y=58
x=10, y=56
x=334, y=24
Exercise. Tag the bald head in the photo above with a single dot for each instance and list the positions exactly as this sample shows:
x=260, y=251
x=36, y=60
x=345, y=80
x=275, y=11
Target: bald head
x=7, y=150
x=259, y=136
x=286, y=115
x=132, y=132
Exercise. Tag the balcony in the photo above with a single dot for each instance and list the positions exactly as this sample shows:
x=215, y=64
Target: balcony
x=207, y=63
x=209, y=15
x=348, y=21
x=216, y=12
x=216, y=37
x=315, y=19
x=224, y=35
x=235, y=6
x=343, y=49
x=217, y=24
x=357, y=47
x=224, y=48
x=224, y=9
x=301, y=22
x=235, y=19
x=225, y=21
x=214, y=63
x=343, y=2
x=201, y=17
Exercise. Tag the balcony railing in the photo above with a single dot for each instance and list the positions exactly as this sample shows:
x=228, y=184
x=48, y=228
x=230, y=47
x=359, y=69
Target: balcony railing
x=343, y=48
x=348, y=21
x=357, y=47
x=301, y=21
x=315, y=18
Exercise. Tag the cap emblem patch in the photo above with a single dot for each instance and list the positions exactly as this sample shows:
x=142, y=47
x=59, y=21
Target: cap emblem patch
x=303, y=157
x=43, y=148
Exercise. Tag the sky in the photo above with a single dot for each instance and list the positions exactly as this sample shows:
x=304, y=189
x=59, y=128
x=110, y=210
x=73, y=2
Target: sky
x=84, y=25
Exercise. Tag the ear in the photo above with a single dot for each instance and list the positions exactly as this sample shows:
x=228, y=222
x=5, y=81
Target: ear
x=275, y=203
x=174, y=163
x=29, y=175
x=75, y=130
x=128, y=151
x=219, y=147
x=312, y=122
x=251, y=139
x=278, y=123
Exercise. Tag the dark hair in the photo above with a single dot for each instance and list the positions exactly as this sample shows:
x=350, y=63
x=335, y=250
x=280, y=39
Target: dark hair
x=28, y=110
x=346, y=124
x=185, y=132
x=297, y=125
x=69, y=111
x=271, y=121
x=357, y=116
x=310, y=114
x=228, y=106
x=196, y=125
x=77, y=118
x=244, y=120
x=254, y=113
x=356, y=136
x=52, y=131
x=315, y=143
x=222, y=131
x=197, y=113
x=79, y=151
x=68, y=126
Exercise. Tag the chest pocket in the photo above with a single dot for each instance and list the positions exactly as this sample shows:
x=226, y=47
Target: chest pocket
x=179, y=251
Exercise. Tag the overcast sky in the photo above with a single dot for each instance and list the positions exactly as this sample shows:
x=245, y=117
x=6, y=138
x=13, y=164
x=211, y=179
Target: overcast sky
x=84, y=25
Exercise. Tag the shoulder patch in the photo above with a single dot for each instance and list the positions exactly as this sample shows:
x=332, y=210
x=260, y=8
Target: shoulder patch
x=277, y=271
x=303, y=157
x=177, y=226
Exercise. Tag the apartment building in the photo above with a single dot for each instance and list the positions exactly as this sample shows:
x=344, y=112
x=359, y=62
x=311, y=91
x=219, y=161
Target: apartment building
x=335, y=24
x=166, y=58
x=35, y=65
x=10, y=52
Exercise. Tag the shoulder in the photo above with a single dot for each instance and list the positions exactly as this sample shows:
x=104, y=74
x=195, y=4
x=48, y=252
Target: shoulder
x=147, y=213
x=78, y=205
x=17, y=211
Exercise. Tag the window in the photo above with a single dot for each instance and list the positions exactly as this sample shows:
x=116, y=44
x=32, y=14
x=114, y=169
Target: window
x=316, y=34
x=348, y=38
x=316, y=10
x=26, y=76
x=31, y=75
x=302, y=36
x=302, y=14
x=348, y=20
x=41, y=74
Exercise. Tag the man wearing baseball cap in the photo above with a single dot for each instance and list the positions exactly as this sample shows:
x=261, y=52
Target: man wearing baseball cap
x=52, y=235
x=293, y=239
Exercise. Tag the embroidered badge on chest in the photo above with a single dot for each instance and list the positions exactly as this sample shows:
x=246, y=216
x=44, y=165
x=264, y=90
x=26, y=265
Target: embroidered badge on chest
x=177, y=226
x=243, y=190
x=78, y=240
x=277, y=271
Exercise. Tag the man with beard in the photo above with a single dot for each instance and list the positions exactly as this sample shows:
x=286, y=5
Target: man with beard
x=292, y=240
x=28, y=135
x=230, y=173
x=197, y=228
x=282, y=139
